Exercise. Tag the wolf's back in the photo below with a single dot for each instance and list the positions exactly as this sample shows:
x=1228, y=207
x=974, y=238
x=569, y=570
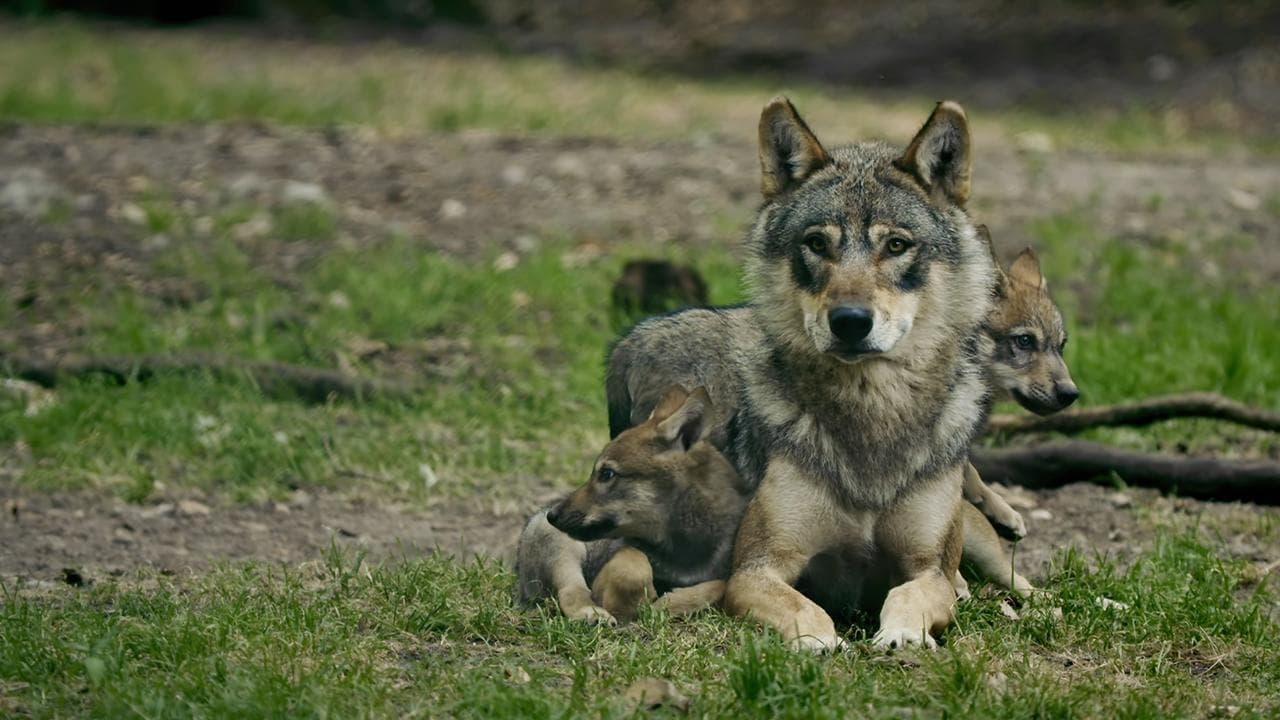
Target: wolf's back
x=698, y=347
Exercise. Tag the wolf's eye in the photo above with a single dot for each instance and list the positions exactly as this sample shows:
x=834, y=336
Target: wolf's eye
x=896, y=245
x=1026, y=342
x=606, y=474
x=817, y=242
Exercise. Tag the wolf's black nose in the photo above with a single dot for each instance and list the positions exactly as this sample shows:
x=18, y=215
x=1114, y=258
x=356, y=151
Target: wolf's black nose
x=850, y=323
x=553, y=515
x=1067, y=393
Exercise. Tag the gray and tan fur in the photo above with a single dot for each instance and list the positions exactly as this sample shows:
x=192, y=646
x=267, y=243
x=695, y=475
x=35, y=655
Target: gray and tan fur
x=870, y=285
x=657, y=518
x=698, y=347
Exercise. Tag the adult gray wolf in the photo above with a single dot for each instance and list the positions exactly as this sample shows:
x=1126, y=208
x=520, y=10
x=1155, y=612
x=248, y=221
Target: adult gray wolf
x=859, y=382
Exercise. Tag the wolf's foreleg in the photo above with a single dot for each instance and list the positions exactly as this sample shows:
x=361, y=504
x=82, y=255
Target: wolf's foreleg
x=624, y=583
x=688, y=600
x=984, y=551
x=786, y=524
x=549, y=564
x=1007, y=521
x=923, y=536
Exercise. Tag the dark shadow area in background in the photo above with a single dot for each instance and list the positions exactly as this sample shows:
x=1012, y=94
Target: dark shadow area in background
x=1215, y=65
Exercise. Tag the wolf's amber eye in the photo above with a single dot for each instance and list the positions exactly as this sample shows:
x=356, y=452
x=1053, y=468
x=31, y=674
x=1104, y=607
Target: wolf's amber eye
x=606, y=474
x=817, y=242
x=1026, y=342
x=896, y=245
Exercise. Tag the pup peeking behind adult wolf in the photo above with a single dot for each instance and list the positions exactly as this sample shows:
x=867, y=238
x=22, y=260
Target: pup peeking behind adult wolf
x=656, y=519
x=861, y=384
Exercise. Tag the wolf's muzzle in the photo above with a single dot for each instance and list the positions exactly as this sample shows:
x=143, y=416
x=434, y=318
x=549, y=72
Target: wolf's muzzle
x=850, y=324
x=574, y=524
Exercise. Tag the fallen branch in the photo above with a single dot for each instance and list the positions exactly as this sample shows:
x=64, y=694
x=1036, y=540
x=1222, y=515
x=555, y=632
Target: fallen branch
x=1057, y=464
x=314, y=385
x=1141, y=412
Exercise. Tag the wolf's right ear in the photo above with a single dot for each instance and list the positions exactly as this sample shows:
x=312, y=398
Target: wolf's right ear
x=688, y=424
x=1002, y=280
x=938, y=157
x=789, y=151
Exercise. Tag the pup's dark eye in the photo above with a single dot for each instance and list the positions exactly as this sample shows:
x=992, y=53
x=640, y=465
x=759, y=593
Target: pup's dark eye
x=606, y=474
x=817, y=242
x=1026, y=342
x=896, y=245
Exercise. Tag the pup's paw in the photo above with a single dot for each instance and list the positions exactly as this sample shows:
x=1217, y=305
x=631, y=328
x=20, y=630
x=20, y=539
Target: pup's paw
x=593, y=615
x=1010, y=527
x=897, y=638
x=818, y=645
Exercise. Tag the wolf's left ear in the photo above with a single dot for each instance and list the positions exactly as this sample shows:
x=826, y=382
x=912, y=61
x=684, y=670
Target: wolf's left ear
x=1026, y=269
x=688, y=424
x=938, y=157
x=789, y=151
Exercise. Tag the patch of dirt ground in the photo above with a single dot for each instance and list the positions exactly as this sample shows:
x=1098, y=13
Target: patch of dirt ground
x=45, y=535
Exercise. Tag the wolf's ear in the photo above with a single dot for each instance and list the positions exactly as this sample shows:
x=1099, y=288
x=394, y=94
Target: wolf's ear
x=789, y=152
x=938, y=157
x=1001, y=280
x=688, y=424
x=1026, y=269
x=670, y=402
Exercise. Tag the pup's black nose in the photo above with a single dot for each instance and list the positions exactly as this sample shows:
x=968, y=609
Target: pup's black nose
x=553, y=516
x=1067, y=392
x=850, y=323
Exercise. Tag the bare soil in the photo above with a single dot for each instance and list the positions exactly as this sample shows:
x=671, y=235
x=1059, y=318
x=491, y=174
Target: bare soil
x=51, y=537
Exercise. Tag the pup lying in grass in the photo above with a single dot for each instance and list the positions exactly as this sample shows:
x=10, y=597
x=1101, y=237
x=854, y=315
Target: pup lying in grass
x=657, y=519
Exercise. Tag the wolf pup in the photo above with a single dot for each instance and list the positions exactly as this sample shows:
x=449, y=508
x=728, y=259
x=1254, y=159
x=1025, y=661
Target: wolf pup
x=657, y=518
x=1027, y=366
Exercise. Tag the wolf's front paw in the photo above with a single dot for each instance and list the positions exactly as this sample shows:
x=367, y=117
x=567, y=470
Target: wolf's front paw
x=817, y=645
x=1010, y=526
x=592, y=615
x=895, y=638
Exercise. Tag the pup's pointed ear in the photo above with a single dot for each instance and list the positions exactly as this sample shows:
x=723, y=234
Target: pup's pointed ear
x=688, y=424
x=670, y=402
x=1001, y=280
x=938, y=157
x=789, y=152
x=1026, y=269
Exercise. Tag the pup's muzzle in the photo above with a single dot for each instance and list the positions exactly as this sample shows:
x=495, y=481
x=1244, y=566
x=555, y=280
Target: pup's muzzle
x=575, y=524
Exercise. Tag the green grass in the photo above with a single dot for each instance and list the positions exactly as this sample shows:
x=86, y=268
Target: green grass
x=65, y=71
x=510, y=362
x=430, y=637
x=507, y=387
x=509, y=366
